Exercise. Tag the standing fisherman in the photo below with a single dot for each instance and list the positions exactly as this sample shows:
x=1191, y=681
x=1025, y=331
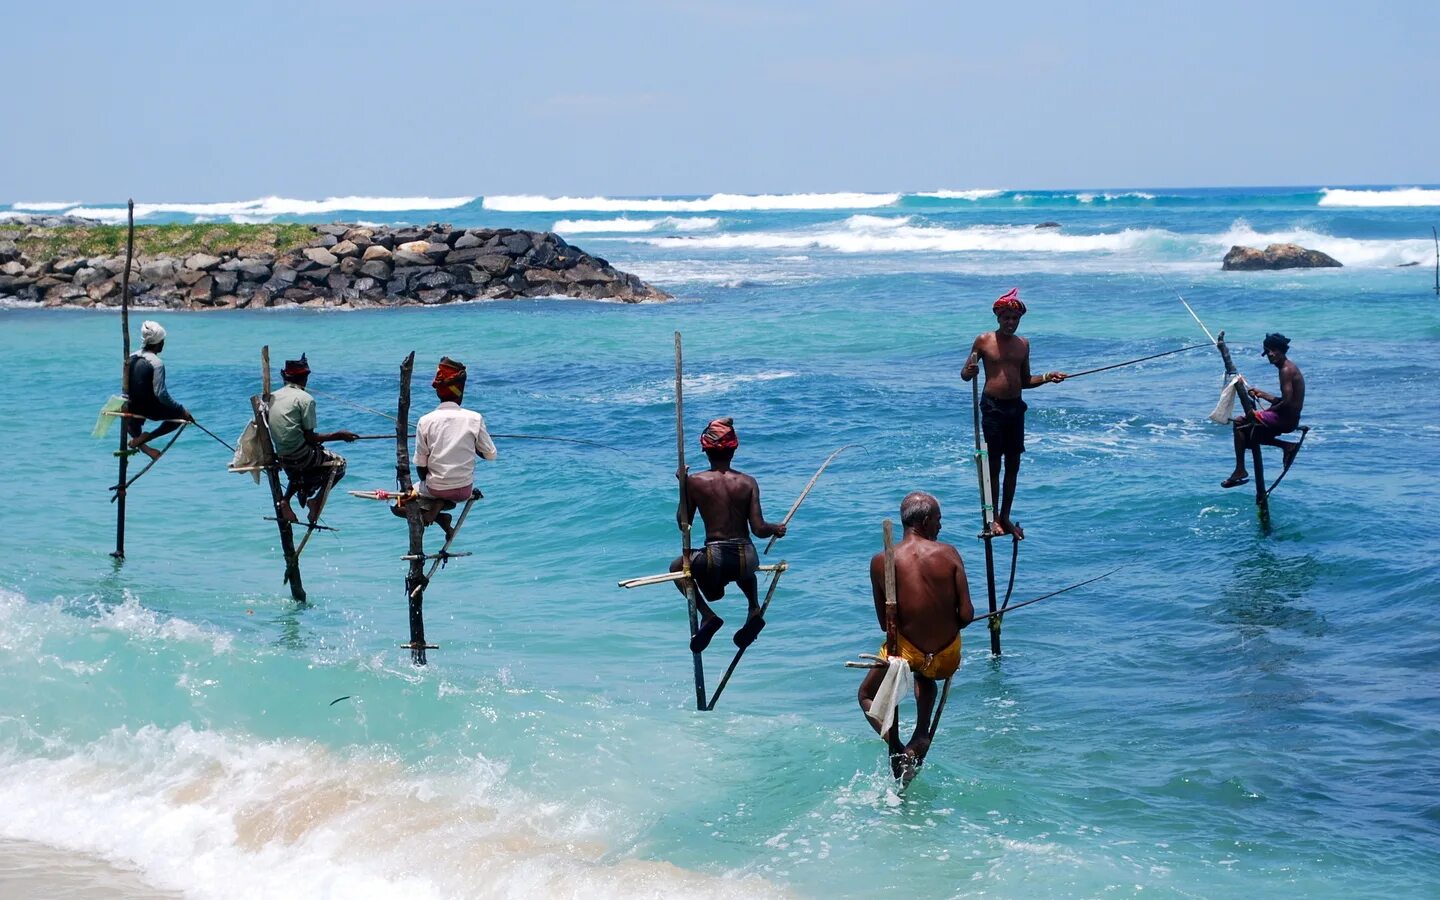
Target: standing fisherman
x=1282, y=417
x=1002, y=412
x=447, y=440
x=932, y=606
x=148, y=398
x=309, y=466
x=729, y=505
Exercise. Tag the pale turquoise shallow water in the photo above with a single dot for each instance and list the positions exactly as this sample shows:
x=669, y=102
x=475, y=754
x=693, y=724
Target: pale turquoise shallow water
x=1231, y=714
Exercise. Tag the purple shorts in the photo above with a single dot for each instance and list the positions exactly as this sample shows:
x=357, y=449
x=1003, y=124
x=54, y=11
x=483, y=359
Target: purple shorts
x=1268, y=418
x=455, y=495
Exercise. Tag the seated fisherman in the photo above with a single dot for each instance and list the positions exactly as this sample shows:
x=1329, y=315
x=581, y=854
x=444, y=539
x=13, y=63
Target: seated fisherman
x=729, y=505
x=1282, y=417
x=148, y=398
x=298, y=448
x=447, y=440
x=932, y=605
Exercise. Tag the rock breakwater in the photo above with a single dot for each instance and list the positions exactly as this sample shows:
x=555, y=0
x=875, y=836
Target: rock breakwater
x=337, y=265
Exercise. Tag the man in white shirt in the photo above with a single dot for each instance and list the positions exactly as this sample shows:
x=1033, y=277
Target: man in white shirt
x=447, y=440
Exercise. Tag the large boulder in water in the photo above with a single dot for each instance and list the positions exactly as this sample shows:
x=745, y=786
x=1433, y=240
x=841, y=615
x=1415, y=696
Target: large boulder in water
x=1276, y=256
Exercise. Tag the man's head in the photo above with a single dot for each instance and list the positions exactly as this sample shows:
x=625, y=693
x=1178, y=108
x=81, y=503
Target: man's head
x=1008, y=310
x=152, y=336
x=1275, y=347
x=719, y=439
x=296, y=371
x=449, y=383
x=920, y=511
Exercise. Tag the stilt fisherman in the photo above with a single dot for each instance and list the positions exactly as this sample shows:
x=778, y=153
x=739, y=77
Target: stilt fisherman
x=149, y=399
x=300, y=449
x=729, y=504
x=1002, y=413
x=447, y=441
x=1282, y=417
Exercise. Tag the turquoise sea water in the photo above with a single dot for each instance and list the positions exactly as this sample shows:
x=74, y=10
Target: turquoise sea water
x=1231, y=714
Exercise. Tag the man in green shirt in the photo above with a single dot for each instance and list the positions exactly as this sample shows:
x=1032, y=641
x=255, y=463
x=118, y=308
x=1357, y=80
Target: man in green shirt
x=299, y=448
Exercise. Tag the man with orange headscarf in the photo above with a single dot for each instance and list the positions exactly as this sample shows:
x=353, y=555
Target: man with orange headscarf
x=729, y=504
x=1002, y=412
x=447, y=440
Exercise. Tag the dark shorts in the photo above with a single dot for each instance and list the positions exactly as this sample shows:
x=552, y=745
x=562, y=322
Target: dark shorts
x=1267, y=429
x=310, y=468
x=720, y=563
x=1003, y=422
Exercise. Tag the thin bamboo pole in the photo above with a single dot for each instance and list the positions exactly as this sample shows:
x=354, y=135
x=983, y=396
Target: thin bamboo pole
x=987, y=504
x=415, y=577
x=769, y=594
x=684, y=476
x=119, y=551
x=445, y=553
x=1242, y=393
x=805, y=493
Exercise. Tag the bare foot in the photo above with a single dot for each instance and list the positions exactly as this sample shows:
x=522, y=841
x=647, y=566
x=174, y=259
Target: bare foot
x=997, y=529
x=443, y=520
x=149, y=451
x=918, y=747
x=288, y=514
x=1010, y=527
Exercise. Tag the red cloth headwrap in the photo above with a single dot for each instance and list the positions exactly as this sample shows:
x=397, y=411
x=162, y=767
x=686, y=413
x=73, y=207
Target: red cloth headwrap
x=720, y=435
x=449, y=378
x=1010, y=300
x=299, y=366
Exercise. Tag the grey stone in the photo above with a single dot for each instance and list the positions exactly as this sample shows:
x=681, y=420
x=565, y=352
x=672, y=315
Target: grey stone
x=320, y=255
x=335, y=229
x=89, y=276
x=433, y=296
x=378, y=269
x=376, y=251
x=1276, y=256
x=202, y=291
x=518, y=243
x=13, y=268
x=350, y=265
x=69, y=266
x=159, y=269
x=326, y=241
x=188, y=277
x=497, y=266
x=226, y=282
x=344, y=249
x=466, y=241
x=406, y=258
x=202, y=261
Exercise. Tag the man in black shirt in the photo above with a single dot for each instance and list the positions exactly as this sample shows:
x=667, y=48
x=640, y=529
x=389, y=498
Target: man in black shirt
x=148, y=398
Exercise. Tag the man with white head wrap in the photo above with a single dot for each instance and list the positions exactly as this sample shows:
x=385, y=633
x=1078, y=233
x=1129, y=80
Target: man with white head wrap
x=148, y=397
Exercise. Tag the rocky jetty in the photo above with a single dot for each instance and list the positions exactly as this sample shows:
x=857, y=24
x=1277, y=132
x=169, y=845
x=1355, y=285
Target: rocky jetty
x=1276, y=256
x=339, y=266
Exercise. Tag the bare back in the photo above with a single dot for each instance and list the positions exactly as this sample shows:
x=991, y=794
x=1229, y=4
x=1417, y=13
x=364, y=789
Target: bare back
x=728, y=502
x=1292, y=393
x=931, y=592
x=1007, y=363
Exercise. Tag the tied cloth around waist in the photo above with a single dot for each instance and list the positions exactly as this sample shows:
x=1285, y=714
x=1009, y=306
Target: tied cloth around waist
x=732, y=558
x=935, y=666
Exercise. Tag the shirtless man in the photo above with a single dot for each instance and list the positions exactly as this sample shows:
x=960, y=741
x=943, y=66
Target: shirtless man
x=729, y=505
x=1282, y=417
x=933, y=603
x=1002, y=412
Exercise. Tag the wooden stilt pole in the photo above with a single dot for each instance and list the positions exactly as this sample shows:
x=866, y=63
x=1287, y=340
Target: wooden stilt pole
x=683, y=475
x=260, y=408
x=769, y=594
x=1242, y=393
x=987, y=509
x=415, y=578
x=124, y=454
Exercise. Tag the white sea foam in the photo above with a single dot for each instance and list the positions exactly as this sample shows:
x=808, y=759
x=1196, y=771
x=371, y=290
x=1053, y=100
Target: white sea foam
x=879, y=234
x=267, y=209
x=978, y=194
x=1129, y=195
x=1392, y=197
x=43, y=206
x=713, y=203
x=1349, y=251
x=628, y=225
x=219, y=815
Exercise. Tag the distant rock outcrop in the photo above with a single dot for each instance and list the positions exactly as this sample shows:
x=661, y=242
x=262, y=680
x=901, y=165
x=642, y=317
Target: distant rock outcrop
x=342, y=266
x=1276, y=256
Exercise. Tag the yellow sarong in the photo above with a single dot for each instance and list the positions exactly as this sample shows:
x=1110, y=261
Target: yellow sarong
x=935, y=666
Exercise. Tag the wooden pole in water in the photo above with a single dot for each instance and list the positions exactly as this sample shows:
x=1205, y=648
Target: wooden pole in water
x=1262, y=502
x=124, y=454
x=683, y=475
x=415, y=577
x=260, y=408
x=987, y=508
x=892, y=607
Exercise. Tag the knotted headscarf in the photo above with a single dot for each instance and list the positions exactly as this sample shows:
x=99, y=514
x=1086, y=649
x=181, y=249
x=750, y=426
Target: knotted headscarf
x=1275, y=341
x=294, y=367
x=1010, y=300
x=449, y=380
x=720, y=435
x=151, y=333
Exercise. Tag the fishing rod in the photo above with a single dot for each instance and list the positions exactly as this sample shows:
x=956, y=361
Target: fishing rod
x=1001, y=612
x=213, y=435
x=517, y=437
x=806, y=492
x=1134, y=361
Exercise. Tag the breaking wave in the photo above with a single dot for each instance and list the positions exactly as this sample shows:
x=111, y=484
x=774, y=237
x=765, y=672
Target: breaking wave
x=713, y=203
x=1393, y=197
x=626, y=225
x=265, y=209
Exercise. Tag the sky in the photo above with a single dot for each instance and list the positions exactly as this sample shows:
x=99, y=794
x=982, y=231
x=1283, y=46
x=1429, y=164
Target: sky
x=200, y=101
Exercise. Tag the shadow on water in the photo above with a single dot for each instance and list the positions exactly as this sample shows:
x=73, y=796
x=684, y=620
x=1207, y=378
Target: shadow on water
x=1265, y=592
x=291, y=636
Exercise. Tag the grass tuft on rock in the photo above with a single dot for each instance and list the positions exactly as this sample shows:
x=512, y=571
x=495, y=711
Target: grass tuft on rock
x=162, y=240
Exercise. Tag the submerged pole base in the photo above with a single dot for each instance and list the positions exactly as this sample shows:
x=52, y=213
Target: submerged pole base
x=413, y=645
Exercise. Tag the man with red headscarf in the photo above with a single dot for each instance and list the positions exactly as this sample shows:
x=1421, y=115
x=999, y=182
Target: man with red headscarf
x=1002, y=412
x=729, y=504
x=447, y=440
x=300, y=449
